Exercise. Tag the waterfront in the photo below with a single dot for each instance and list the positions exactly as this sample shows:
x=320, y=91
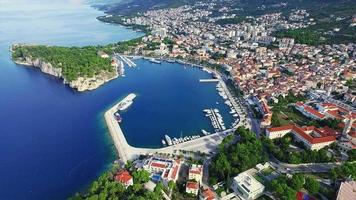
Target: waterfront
x=53, y=140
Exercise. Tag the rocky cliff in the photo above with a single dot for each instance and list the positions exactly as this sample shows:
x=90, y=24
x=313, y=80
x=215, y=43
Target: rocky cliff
x=81, y=83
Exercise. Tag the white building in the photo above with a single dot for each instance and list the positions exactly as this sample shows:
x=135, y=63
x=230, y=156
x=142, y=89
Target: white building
x=196, y=173
x=247, y=187
x=165, y=169
x=192, y=188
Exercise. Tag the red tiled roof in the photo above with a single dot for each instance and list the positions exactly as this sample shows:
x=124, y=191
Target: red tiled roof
x=208, y=194
x=195, y=171
x=313, y=140
x=326, y=134
x=123, y=176
x=192, y=185
x=159, y=165
x=299, y=104
x=281, y=128
x=313, y=112
x=175, y=171
x=352, y=134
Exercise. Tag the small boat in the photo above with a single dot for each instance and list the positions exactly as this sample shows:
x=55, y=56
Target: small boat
x=168, y=139
x=117, y=117
x=205, y=132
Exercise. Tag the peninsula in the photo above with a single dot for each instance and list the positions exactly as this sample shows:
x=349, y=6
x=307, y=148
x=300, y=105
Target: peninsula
x=82, y=68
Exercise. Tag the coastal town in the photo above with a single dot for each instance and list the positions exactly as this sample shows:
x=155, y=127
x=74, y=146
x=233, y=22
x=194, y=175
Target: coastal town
x=294, y=104
x=292, y=100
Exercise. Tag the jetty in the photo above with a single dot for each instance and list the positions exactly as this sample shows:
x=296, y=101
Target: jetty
x=125, y=59
x=213, y=80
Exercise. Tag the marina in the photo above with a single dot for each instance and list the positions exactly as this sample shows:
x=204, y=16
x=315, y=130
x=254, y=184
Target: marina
x=125, y=59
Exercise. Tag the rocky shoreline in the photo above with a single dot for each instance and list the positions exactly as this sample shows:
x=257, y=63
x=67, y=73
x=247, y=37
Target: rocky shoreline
x=81, y=84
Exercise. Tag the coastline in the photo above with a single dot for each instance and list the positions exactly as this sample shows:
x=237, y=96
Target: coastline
x=80, y=84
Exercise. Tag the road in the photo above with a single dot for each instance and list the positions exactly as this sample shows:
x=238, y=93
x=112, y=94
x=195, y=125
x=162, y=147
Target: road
x=304, y=168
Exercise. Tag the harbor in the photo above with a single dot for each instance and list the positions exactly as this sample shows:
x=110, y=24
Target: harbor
x=205, y=142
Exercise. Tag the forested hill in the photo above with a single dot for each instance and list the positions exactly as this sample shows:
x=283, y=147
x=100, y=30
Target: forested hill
x=75, y=62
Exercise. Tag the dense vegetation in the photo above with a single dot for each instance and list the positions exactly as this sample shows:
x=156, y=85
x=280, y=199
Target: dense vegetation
x=235, y=20
x=280, y=149
x=121, y=47
x=74, y=61
x=236, y=157
x=344, y=171
x=107, y=188
x=302, y=36
x=286, y=188
x=327, y=18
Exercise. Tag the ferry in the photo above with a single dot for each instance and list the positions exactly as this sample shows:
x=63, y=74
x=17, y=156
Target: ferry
x=126, y=102
x=118, y=117
x=168, y=139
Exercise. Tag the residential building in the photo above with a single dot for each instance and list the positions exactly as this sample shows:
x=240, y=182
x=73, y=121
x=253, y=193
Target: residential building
x=347, y=191
x=162, y=169
x=207, y=194
x=247, y=187
x=192, y=187
x=196, y=173
x=313, y=138
x=124, y=177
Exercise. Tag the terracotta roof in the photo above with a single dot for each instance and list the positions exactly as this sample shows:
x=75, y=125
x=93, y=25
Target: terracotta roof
x=192, y=185
x=159, y=165
x=313, y=112
x=123, y=176
x=175, y=171
x=281, y=128
x=208, y=194
x=352, y=134
x=326, y=134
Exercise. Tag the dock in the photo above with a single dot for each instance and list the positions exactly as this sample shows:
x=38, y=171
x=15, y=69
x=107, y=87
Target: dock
x=125, y=60
x=213, y=80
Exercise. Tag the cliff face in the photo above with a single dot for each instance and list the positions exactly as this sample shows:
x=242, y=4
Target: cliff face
x=81, y=84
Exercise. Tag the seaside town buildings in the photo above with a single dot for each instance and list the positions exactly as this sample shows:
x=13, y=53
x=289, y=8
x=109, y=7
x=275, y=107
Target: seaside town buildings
x=260, y=64
x=162, y=169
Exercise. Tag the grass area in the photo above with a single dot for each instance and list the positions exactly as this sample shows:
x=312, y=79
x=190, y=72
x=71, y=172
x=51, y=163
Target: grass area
x=287, y=116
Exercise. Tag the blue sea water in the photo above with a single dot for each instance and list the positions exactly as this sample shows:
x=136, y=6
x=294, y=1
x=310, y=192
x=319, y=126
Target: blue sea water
x=53, y=140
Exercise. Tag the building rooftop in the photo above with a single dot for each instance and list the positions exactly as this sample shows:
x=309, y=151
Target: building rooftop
x=347, y=191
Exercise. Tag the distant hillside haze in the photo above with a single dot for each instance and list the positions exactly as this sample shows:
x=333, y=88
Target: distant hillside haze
x=250, y=7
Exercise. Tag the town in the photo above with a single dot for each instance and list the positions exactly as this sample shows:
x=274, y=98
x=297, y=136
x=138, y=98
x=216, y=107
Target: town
x=298, y=136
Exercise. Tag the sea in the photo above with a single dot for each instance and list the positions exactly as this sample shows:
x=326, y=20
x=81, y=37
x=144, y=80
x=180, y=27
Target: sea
x=53, y=139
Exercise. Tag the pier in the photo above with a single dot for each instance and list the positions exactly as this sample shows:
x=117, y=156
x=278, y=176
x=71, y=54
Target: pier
x=125, y=59
x=209, y=80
